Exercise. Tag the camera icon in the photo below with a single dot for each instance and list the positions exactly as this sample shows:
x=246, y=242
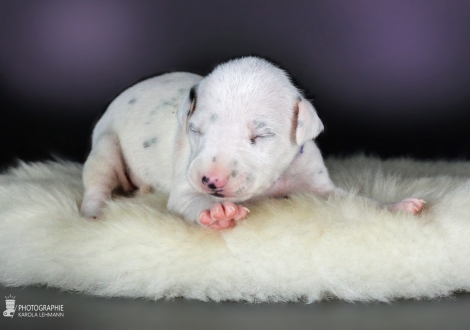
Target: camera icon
x=10, y=304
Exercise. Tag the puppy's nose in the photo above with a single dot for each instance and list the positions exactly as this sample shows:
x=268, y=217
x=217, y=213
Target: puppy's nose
x=214, y=182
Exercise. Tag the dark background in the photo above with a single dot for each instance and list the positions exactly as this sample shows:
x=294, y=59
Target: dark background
x=388, y=78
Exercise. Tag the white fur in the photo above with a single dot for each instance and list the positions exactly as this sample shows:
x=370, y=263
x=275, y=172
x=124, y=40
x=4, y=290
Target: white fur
x=246, y=124
x=301, y=248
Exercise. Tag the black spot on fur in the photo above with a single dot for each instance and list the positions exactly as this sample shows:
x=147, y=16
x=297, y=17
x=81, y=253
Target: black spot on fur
x=214, y=159
x=193, y=99
x=240, y=190
x=234, y=173
x=214, y=117
x=150, y=142
x=132, y=101
x=192, y=93
x=259, y=124
x=167, y=103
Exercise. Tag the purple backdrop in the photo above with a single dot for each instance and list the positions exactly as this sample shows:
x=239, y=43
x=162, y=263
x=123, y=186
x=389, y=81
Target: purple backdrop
x=383, y=66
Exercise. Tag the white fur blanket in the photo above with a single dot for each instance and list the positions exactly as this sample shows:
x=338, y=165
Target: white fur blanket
x=301, y=248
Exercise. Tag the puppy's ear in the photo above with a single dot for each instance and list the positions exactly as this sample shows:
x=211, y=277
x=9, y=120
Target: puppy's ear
x=187, y=108
x=309, y=124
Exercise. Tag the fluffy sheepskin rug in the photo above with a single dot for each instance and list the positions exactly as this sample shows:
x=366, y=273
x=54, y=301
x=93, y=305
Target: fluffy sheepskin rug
x=300, y=248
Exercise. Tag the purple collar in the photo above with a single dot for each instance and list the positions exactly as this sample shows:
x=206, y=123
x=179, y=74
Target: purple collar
x=301, y=151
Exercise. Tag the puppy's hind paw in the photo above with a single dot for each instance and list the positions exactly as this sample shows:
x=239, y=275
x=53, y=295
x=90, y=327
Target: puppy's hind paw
x=408, y=205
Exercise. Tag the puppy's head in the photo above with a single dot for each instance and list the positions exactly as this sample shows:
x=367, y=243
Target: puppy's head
x=245, y=122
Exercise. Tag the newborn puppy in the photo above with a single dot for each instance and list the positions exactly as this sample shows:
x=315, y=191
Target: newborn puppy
x=241, y=133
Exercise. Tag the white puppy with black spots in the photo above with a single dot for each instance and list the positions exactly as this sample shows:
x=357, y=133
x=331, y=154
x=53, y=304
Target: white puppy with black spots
x=241, y=133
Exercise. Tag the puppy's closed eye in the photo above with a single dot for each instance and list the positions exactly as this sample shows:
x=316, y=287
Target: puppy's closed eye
x=260, y=136
x=193, y=128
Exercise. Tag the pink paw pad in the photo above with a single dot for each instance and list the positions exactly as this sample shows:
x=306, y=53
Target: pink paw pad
x=409, y=205
x=223, y=216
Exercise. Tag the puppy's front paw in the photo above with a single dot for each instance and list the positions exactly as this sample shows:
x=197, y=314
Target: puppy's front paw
x=93, y=204
x=223, y=216
x=91, y=209
x=408, y=205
